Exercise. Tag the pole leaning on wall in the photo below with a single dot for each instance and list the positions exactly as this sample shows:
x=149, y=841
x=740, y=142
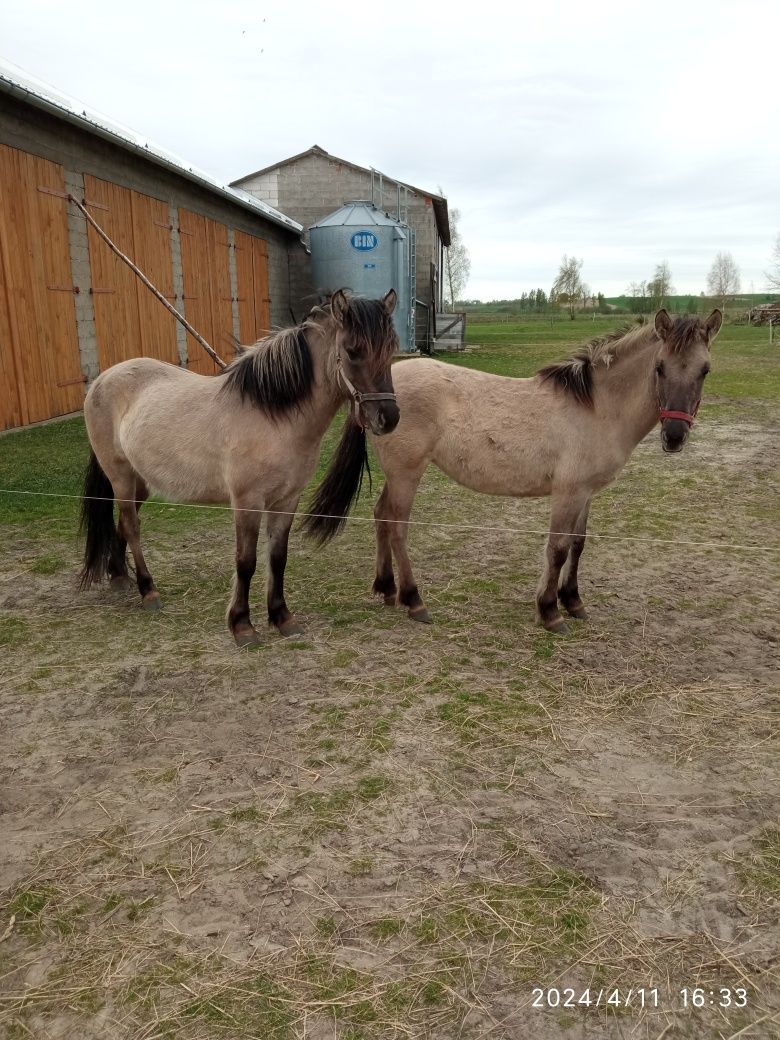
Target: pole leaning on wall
x=177, y=314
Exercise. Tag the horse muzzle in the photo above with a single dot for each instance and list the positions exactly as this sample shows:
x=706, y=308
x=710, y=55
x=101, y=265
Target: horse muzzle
x=381, y=417
x=674, y=434
x=675, y=427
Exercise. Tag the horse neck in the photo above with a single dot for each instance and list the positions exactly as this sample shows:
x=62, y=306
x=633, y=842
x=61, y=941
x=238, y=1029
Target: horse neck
x=626, y=393
x=326, y=397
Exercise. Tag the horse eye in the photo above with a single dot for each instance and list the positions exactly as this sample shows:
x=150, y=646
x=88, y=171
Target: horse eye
x=704, y=371
x=660, y=368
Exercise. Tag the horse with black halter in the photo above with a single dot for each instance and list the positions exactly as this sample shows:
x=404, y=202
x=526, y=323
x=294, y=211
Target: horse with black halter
x=566, y=432
x=249, y=437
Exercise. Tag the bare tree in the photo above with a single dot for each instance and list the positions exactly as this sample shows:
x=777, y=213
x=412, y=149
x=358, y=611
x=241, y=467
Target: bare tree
x=569, y=282
x=638, y=293
x=773, y=274
x=457, y=262
x=723, y=279
x=660, y=285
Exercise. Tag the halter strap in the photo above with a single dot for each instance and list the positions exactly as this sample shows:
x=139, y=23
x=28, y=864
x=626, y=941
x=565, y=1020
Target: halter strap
x=667, y=413
x=358, y=398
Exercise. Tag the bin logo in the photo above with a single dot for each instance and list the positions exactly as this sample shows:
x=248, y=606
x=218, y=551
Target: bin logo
x=364, y=240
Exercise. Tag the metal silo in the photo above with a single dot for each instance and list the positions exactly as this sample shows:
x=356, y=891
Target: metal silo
x=361, y=248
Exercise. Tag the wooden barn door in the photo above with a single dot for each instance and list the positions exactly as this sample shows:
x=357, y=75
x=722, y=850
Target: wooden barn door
x=254, y=299
x=39, y=353
x=205, y=261
x=129, y=321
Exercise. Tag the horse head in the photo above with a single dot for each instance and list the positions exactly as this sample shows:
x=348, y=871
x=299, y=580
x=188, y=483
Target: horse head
x=366, y=341
x=681, y=365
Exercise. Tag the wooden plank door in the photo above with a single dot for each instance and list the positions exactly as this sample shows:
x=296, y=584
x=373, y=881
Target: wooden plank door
x=252, y=278
x=39, y=316
x=205, y=265
x=152, y=245
x=115, y=296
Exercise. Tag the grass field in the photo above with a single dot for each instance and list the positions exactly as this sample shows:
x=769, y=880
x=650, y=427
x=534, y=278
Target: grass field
x=387, y=830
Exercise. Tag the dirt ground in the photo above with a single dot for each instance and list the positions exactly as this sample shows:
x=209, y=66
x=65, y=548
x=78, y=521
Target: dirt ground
x=385, y=829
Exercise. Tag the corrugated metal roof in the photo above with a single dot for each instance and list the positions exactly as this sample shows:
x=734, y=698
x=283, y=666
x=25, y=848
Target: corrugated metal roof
x=21, y=84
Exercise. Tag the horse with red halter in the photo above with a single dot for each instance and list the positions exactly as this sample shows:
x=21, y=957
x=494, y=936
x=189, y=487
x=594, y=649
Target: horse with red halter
x=566, y=433
x=249, y=437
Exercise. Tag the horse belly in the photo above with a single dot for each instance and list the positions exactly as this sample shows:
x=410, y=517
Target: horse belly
x=487, y=463
x=175, y=461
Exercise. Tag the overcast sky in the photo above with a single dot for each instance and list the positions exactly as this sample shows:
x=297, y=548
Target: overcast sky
x=622, y=133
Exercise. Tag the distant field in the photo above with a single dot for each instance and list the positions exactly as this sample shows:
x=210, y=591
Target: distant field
x=511, y=310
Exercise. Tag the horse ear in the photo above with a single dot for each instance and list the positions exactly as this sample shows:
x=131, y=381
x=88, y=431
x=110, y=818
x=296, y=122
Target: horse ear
x=390, y=299
x=663, y=323
x=713, y=324
x=339, y=305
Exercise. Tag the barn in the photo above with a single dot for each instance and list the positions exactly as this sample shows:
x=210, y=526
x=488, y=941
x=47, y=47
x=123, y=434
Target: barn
x=309, y=186
x=69, y=308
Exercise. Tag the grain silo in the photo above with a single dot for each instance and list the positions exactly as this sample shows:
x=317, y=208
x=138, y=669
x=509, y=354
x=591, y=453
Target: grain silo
x=361, y=248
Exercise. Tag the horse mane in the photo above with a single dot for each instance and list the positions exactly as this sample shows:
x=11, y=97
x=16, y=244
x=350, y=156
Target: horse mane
x=276, y=374
x=575, y=375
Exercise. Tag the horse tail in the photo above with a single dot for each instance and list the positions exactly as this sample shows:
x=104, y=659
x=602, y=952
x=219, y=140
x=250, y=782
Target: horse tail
x=340, y=486
x=97, y=523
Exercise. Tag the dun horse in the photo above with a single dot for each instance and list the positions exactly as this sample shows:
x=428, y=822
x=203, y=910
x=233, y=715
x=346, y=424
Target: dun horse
x=566, y=432
x=249, y=437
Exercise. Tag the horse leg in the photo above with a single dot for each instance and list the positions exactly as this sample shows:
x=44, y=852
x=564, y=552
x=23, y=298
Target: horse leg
x=568, y=592
x=117, y=564
x=399, y=508
x=131, y=493
x=278, y=530
x=563, y=519
x=247, y=529
x=384, y=582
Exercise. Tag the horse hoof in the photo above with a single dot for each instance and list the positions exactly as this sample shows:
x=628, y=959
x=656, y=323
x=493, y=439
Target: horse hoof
x=390, y=600
x=246, y=637
x=152, y=601
x=557, y=627
x=421, y=614
x=578, y=612
x=290, y=628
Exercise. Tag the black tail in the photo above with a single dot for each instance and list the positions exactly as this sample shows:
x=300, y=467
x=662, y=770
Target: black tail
x=97, y=523
x=340, y=486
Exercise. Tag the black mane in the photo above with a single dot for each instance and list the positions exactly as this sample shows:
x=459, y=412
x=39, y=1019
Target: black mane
x=276, y=374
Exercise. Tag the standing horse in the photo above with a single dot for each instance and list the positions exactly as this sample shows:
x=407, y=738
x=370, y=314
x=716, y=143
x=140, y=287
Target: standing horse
x=566, y=432
x=249, y=437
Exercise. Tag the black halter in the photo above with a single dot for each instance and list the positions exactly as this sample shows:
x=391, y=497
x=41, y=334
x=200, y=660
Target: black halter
x=357, y=397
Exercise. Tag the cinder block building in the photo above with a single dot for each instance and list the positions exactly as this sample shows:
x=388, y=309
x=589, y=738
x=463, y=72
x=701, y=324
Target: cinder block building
x=311, y=185
x=69, y=307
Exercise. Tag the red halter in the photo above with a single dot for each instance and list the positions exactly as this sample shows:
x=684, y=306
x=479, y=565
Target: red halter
x=665, y=413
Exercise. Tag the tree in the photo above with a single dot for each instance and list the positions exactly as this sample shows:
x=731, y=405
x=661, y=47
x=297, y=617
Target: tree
x=773, y=274
x=457, y=263
x=568, y=285
x=638, y=293
x=660, y=285
x=723, y=279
